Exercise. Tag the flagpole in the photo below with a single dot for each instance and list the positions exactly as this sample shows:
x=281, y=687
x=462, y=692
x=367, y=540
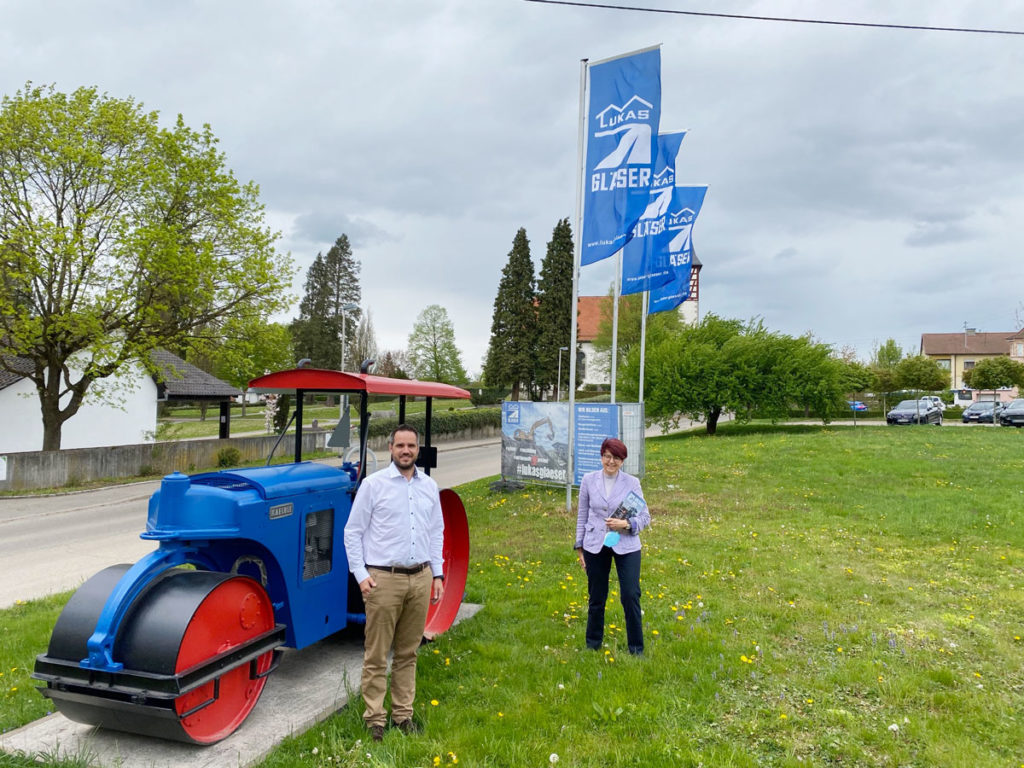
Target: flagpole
x=615, y=320
x=577, y=254
x=644, y=305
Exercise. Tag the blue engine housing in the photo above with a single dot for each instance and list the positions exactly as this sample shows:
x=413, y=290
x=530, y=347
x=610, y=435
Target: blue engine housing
x=281, y=525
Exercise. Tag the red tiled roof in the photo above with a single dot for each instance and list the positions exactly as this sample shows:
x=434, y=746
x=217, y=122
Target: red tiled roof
x=996, y=343
x=589, y=317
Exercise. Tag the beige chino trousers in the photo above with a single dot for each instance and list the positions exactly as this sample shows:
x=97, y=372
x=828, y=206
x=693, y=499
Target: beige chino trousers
x=396, y=614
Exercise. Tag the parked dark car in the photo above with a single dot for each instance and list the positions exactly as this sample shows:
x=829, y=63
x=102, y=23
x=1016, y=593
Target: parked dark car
x=981, y=412
x=1013, y=414
x=915, y=412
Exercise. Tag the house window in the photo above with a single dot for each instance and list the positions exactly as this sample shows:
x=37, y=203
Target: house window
x=968, y=365
x=943, y=364
x=1018, y=349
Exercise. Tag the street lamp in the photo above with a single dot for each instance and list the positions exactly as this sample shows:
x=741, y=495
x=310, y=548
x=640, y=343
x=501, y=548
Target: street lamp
x=350, y=307
x=558, y=386
x=343, y=405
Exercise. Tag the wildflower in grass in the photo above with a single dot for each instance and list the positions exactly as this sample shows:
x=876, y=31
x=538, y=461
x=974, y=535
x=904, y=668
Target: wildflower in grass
x=452, y=756
x=746, y=660
x=783, y=716
x=437, y=759
x=434, y=702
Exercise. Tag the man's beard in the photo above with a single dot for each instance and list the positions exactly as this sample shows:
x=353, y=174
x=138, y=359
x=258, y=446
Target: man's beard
x=404, y=462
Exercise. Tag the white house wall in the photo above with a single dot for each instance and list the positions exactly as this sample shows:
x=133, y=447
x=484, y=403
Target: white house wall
x=94, y=425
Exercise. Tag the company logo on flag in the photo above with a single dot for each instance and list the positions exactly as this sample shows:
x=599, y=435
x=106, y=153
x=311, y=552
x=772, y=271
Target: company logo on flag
x=622, y=121
x=686, y=205
x=645, y=262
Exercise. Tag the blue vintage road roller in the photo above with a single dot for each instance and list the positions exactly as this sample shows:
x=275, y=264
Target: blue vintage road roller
x=180, y=644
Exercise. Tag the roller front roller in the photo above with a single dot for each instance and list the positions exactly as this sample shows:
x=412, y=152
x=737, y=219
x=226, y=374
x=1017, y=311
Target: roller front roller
x=195, y=650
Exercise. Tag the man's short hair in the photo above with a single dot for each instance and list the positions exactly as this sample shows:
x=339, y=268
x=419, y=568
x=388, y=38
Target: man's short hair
x=403, y=428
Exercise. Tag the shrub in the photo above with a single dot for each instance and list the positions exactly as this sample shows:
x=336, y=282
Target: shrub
x=442, y=422
x=229, y=457
x=487, y=395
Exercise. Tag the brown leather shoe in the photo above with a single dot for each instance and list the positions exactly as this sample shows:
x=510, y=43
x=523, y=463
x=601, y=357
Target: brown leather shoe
x=407, y=727
x=377, y=732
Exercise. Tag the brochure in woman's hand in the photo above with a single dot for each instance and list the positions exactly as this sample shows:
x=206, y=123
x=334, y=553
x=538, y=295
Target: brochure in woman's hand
x=630, y=507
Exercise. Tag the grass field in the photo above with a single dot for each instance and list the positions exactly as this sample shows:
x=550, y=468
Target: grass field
x=813, y=597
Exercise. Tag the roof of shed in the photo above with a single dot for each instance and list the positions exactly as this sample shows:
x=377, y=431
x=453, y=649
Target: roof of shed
x=183, y=381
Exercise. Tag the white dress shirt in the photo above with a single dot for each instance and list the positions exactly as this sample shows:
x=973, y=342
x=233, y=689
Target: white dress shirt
x=396, y=522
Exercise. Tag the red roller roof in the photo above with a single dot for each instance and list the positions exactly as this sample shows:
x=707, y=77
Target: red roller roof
x=320, y=380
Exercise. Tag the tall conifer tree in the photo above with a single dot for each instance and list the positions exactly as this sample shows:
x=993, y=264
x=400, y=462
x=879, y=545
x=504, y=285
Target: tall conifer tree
x=554, y=308
x=332, y=282
x=511, y=353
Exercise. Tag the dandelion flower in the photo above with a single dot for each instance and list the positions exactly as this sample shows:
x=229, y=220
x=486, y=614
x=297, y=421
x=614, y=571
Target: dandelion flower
x=553, y=758
x=437, y=759
x=434, y=702
x=894, y=728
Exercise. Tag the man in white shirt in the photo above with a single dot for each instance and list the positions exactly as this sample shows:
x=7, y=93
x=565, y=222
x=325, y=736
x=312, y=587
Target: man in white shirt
x=393, y=542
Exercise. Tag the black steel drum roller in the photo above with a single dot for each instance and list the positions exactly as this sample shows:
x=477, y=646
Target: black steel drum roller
x=196, y=648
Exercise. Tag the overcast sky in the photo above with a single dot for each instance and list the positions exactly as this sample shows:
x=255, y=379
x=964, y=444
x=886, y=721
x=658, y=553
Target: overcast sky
x=863, y=183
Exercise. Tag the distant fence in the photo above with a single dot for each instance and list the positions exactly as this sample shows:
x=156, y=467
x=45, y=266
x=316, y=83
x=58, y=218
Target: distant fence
x=57, y=469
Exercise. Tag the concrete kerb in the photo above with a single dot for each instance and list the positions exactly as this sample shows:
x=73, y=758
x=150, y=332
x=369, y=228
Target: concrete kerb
x=309, y=686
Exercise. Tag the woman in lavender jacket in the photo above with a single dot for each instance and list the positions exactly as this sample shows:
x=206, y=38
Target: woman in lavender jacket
x=601, y=492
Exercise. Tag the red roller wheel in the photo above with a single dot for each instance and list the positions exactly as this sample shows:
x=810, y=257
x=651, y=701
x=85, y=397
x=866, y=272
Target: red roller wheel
x=195, y=649
x=235, y=611
x=456, y=564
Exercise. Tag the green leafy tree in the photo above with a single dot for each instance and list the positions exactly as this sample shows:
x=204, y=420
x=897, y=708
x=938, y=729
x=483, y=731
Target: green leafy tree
x=921, y=373
x=887, y=355
x=660, y=326
x=332, y=283
x=511, y=352
x=554, y=310
x=883, y=366
x=248, y=350
x=722, y=366
x=689, y=374
x=995, y=373
x=117, y=237
x=433, y=355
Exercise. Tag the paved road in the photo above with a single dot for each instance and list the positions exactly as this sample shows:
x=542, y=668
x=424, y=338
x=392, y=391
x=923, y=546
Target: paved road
x=54, y=543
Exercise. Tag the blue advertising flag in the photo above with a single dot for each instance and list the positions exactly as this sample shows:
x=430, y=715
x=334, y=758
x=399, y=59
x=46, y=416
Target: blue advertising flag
x=645, y=258
x=623, y=114
x=686, y=205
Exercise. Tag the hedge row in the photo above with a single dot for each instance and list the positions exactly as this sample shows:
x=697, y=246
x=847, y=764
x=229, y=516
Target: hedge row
x=442, y=422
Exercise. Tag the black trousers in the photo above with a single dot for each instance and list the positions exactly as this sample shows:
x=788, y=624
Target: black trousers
x=599, y=568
